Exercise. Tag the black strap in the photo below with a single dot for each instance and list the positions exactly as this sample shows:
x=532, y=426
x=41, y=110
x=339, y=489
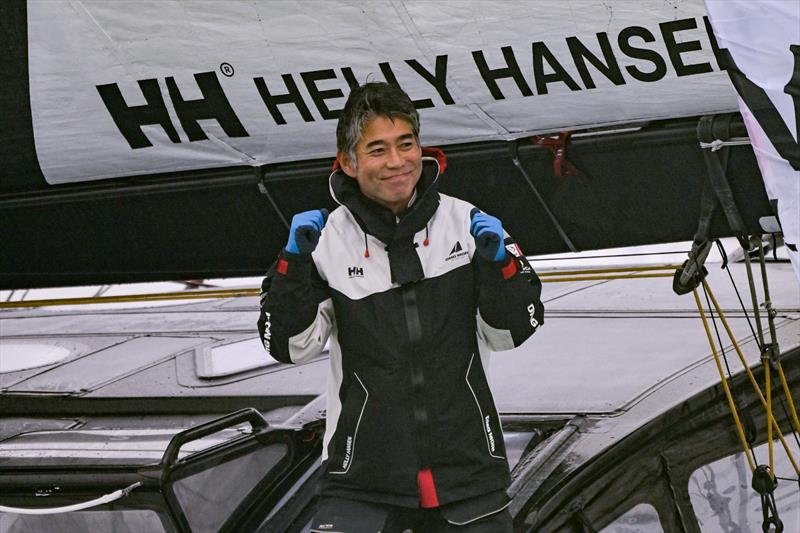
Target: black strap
x=709, y=129
x=716, y=191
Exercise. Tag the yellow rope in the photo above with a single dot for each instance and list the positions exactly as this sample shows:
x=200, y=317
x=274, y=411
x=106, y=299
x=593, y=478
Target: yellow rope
x=188, y=295
x=233, y=293
x=751, y=377
x=592, y=278
x=788, y=394
x=765, y=364
x=608, y=270
x=724, y=381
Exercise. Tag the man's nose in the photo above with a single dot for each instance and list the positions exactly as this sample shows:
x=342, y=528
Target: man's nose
x=393, y=158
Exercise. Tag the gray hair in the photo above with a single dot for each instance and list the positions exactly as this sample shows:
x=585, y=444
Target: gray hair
x=367, y=102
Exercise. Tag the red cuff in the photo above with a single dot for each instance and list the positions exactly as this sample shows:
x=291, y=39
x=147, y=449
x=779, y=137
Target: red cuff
x=510, y=269
x=427, y=490
x=282, y=267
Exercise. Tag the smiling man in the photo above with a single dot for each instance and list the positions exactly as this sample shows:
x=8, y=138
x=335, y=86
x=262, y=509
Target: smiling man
x=414, y=288
x=390, y=161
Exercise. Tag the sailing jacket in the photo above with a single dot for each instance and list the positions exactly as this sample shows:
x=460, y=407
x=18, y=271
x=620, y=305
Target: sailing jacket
x=412, y=312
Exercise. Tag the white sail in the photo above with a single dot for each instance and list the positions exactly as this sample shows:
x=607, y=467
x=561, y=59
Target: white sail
x=763, y=39
x=139, y=87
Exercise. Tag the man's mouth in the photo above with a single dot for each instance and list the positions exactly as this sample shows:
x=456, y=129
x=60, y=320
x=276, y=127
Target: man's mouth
x=396, y=177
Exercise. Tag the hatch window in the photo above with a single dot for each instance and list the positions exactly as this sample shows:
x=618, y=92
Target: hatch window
x=107, y=365
x=641, y=518
x=209, y=493
x=101, y=520
x=232, y=358
x=723, y=499
x=21, y=355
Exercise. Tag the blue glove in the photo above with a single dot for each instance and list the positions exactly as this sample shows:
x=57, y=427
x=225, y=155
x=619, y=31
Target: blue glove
x=305, y=230
x=489, y=236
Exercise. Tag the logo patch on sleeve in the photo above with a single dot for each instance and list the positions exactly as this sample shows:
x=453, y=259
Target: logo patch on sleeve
x=514, y=250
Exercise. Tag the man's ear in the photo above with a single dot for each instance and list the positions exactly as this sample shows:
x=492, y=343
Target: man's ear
x=346, y=163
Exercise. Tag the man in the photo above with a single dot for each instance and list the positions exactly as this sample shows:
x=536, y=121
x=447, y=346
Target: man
x=414, y=288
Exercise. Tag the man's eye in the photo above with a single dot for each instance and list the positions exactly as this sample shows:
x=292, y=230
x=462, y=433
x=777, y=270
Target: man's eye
x=407, y=146
x=377, y=151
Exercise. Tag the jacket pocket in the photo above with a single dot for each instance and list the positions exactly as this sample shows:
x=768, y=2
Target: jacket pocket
x=485, y=411
x=345, y=438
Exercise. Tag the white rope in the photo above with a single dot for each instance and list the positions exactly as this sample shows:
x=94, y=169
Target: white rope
x=716, y=144
x=116, y=495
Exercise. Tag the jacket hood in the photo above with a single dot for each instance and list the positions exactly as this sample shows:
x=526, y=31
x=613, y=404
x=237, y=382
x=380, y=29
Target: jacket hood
x=395, y=231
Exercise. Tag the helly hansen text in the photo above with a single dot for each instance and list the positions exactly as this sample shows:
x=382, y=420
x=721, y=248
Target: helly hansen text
x=489, y=434
x=348, y=450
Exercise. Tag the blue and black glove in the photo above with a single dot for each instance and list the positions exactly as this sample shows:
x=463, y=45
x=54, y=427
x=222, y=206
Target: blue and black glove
x=305, y=231
x=489, y=235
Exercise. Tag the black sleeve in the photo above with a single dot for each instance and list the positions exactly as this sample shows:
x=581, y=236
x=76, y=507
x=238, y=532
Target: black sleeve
x=509, y=299
x=296, y=312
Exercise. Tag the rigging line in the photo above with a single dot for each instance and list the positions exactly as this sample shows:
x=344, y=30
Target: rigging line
x=728, y=368
x=736, y=289
x=612, y=256
x=766, y=363
x=786, y=412
x=731, y=400
x=765, y=359
x=758, y=343
x=262, y=187
x=517, y=163
x=751, y=377
x=724, y=383
x=608, y=270
x=698, y=267
x=773, y=337
x=773, y=354
x=719, y=337
x=603, y=277
x=753, y=297
x=789, y=399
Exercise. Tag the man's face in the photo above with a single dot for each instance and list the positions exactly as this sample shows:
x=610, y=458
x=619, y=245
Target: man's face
x=389, y=162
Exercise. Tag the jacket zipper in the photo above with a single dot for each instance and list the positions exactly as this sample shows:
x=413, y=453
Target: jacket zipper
x=417, y=374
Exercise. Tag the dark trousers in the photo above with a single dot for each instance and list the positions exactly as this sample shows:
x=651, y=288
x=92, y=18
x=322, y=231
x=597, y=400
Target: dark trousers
x=352, y=516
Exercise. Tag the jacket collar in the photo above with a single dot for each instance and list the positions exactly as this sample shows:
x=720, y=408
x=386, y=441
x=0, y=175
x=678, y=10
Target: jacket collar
x=379, y=221
x=396, y=232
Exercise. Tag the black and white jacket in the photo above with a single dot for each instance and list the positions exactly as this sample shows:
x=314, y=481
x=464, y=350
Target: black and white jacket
x=412, y=313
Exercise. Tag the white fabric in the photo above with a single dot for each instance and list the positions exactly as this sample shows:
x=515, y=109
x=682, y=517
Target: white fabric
x=758, y=36
x=73, y=47
x=333, y=404
x=341, y=262
x=496, y=340
x=309, y=343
